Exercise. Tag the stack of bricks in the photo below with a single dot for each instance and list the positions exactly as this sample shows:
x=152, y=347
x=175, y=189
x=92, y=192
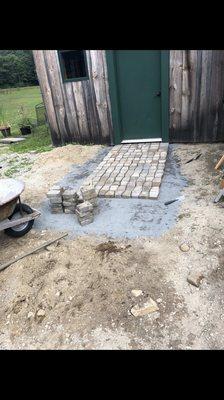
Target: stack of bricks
x=89, y=194
x=55, y=198
x=84, y=212
x=70, y=201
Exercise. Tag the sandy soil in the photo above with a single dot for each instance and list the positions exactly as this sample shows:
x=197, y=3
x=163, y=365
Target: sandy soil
x=85, y=290
x=49, y=167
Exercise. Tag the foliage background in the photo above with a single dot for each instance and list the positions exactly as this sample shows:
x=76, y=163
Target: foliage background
x=17, y=69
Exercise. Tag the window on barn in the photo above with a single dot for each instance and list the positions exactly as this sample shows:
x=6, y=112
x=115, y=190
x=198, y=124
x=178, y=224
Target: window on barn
x=73, y=65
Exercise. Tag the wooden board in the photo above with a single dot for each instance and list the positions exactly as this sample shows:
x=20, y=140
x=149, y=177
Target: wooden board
x=220, y=163
x=9, y=224
x=10, y=189
x=11, y=140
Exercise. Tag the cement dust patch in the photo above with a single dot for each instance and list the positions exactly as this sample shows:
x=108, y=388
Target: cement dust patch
x=130, y=218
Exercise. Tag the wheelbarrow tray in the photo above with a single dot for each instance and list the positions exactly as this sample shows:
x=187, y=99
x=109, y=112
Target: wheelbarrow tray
x=9, y=224
x=10, y=189
x=7, y=209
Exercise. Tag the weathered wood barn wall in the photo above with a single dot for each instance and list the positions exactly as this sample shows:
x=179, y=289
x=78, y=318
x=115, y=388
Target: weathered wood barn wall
x=77, y=111
x=81, y=111
x=196, y=95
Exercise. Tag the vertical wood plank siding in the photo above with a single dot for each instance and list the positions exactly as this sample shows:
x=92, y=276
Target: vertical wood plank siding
x=81, y=111
x=77, y=111
x=196, y=95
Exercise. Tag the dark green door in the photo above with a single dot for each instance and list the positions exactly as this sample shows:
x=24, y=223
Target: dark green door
x=135, y=76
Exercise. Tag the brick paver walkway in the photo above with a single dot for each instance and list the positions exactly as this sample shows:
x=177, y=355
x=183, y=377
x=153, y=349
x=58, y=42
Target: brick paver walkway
x=131, y=170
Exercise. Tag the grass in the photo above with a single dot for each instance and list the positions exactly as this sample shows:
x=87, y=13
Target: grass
x=28, y=97
x=39, y=140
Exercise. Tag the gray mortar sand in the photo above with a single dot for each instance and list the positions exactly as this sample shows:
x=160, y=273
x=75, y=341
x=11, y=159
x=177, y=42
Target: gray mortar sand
x=120, y=218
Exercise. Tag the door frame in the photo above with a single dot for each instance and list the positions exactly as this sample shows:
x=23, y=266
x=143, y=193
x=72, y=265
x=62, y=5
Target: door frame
x=114, y=98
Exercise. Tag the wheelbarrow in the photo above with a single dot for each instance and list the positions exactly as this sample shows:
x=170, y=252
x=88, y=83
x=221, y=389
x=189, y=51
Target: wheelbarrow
x=16, y=218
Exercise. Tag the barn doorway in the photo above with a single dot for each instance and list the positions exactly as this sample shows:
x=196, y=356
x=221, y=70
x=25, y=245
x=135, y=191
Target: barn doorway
x=138, y=84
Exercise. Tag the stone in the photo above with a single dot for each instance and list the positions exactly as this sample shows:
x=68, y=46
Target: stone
x=51, y=247
x=69, y=194
x=147, y=308
x=137, y=292
x=82, y=215
x=58, y=210
x=102, y=193
x=69, y=210
x=136, y=193
x=41, y=313
x=30, y=315
x=195, y=278
x=94, y=202
x=144, y=194
x=55, y=200
x=159, y=300
x=88, y=192
x=57, y=187
x=184, y=247
x=54, y=194
x=154, y=193
x=109, y=194
x=69, y=203
x=84, y=207
x=156, y=182
x=86, y=221
x=126, y=194
x=55, y=205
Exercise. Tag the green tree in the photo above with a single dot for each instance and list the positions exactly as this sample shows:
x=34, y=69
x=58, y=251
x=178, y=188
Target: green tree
x=17, y=68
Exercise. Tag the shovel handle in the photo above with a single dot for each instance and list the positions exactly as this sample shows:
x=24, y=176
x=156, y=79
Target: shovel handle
x=170, y=202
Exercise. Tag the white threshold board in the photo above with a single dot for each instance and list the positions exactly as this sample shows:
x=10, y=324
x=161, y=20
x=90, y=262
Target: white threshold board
x=141, y=140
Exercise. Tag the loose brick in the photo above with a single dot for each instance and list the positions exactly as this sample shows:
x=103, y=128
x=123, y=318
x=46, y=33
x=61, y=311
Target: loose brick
x=54, y=194
x=154, y=192
x=86, y=221
x=69, y=211
x=55, y=200
x=144, y=194
x=69, y=203
x=110, y=193
x=83, y=215
x=69, y=194
x=84, y=207
x=156, y=182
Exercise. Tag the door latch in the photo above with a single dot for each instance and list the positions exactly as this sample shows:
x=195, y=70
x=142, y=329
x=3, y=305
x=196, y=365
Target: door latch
x=157, y=94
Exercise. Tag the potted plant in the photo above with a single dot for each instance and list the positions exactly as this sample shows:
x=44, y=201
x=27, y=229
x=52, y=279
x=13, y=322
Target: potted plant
x=25, y=123
x=5, y=128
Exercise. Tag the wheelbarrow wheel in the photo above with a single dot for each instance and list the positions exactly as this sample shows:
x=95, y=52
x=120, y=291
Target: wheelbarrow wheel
x=22, y=229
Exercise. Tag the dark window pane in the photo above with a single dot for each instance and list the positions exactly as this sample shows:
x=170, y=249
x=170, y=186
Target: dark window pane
x=74, y=64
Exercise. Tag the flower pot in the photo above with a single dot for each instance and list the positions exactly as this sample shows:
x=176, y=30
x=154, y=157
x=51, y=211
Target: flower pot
x=25, y=130
x=5, y=130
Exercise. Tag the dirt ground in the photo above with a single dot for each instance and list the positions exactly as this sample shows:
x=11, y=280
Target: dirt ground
x=48, y=168
x=84, y=290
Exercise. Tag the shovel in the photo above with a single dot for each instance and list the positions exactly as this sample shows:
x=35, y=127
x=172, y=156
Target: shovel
x=172, y=201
